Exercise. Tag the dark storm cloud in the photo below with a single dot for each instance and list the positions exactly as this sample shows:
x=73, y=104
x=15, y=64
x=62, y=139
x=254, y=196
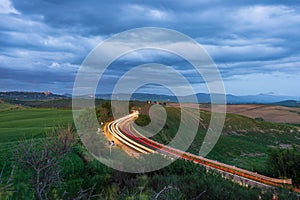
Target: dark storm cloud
x=196, y=18
x=41, y=36
x=40, y=76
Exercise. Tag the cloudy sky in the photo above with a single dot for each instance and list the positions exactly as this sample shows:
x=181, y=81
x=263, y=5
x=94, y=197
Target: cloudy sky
x=255, y=44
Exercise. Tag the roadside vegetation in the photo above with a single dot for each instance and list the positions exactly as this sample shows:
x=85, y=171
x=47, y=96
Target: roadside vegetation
x=285, y=163
x=61, y=168
x=143, y=120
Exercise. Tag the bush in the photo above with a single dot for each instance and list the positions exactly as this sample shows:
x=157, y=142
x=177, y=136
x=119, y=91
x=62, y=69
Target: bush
x=143, y=120
x=284, y=163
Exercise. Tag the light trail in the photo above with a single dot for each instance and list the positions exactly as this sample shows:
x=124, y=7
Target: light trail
x=123, y=130
x=113, y=128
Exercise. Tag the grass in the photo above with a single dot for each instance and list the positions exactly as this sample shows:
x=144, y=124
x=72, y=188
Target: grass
x=55, y=103
x=6, y=106
x=28, y=122
x=244, y=142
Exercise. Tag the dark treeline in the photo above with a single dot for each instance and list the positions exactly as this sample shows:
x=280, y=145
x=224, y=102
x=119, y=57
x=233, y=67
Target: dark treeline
x=285, y=163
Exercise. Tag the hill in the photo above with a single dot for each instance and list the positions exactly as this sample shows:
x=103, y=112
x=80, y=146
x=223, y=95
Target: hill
x=288, y=103
x=16, y=95
x=270, y=113
x=200, y=98
x=244, y=141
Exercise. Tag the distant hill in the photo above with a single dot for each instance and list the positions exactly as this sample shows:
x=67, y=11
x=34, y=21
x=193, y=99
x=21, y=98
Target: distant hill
x=202, y=98
x=247, y=99
x=267, y=112
x=288, y=103
x=30, y=96
x=138, y=97
x=260, y=98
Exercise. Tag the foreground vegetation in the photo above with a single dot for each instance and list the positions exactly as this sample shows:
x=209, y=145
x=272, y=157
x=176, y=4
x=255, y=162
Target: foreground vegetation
x=56, y=169
x=285, y=163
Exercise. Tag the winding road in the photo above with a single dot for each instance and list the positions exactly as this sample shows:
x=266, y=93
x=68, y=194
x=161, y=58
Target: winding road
x=123, y=130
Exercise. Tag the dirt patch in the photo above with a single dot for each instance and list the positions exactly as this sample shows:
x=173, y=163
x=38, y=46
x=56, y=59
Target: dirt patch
x=269, y=113
x=279, y=114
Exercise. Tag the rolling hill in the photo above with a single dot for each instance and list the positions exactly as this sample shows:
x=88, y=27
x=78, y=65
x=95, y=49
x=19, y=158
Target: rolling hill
x=244, y=141
x=201, y=98
x=16, y=95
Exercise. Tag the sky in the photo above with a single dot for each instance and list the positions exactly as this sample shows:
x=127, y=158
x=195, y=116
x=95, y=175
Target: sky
x=255, y=44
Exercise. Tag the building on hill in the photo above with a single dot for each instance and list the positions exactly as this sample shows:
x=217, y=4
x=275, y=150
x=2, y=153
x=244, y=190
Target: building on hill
x=47, y=93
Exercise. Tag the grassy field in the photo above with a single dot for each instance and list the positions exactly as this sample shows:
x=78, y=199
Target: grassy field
x=244, y=142
x=17, y=123
x=6, y=106
x=23, y=123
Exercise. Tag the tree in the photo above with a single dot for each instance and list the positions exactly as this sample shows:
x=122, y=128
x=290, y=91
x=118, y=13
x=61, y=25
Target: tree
x=6, y=186
x=143, y=120
x=285, y=163
x=42, y=156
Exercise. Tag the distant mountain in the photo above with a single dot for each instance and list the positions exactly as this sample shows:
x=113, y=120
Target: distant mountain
x=201, y=98
x=67, y=95
x=30, y=96
x=138, y=97
x=260, y=98
x=232, y=99
x=288, y=103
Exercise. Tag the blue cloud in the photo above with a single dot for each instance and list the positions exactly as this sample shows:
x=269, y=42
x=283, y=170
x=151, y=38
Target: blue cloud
x=50, y=39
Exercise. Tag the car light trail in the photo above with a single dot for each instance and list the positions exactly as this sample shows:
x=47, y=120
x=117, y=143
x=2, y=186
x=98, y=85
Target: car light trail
x=123, y=130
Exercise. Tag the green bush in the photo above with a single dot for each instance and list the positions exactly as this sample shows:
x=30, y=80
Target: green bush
x=143, y=120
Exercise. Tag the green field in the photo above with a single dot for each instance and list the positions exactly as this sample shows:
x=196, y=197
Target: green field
x=6, y=106
x=244, y=142
x=30, y=122
x=23, y=123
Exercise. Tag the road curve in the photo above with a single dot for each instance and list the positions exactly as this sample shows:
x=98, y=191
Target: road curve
x=123, y=131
